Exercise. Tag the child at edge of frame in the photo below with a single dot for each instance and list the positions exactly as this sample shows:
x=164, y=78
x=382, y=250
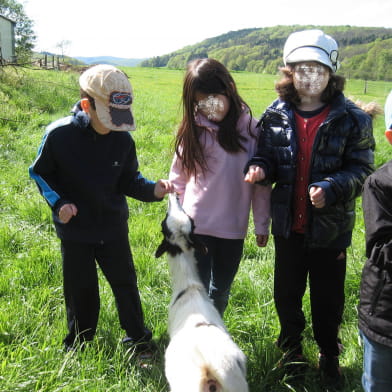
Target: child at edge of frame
x=375, y=300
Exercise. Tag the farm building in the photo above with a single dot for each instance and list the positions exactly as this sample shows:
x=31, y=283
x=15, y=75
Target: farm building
x=7, y=39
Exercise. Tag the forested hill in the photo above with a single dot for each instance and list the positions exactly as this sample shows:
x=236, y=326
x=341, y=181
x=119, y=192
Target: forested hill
x=365, y=52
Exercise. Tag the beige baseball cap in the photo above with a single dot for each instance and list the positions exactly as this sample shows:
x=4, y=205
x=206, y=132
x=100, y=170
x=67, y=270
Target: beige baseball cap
x=112, y=93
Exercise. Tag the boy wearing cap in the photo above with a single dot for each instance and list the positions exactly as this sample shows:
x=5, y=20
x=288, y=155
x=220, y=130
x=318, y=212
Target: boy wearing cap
x=317, y=148
x=84, y=169
x=375, y=301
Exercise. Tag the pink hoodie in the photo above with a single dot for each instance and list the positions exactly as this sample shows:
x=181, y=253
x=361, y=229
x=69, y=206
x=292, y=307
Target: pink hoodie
x=220, y=201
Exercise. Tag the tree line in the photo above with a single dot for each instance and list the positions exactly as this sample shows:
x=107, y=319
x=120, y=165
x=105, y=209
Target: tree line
x=365, y=52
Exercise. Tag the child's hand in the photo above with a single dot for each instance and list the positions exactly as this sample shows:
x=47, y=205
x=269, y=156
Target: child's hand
x=261, y=240
x=162, y=187
x=317, y=196
x=255, y=174
x=66, y=212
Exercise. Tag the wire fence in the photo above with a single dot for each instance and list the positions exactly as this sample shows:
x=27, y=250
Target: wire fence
x=370, y=87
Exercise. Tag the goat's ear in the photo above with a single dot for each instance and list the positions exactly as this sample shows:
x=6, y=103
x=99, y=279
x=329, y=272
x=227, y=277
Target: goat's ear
x=162, y=248
x=198, y=244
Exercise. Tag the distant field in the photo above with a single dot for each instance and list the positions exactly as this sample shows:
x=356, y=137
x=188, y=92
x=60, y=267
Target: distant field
x=32, y=319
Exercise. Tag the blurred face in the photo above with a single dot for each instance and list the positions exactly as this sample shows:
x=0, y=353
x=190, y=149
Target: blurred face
x=310, y=78
x=213, y=106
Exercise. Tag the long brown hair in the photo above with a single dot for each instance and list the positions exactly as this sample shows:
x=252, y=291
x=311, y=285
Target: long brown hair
x=287, y=92
x=207, y=76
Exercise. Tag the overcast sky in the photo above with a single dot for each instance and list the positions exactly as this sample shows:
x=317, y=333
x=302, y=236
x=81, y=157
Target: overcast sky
x=147, y=28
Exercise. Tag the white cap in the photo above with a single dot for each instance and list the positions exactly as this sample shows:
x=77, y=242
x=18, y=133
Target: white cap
x=311, y=45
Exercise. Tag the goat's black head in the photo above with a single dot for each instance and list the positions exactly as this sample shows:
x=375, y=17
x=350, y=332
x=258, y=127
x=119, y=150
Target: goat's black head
x=178, y=231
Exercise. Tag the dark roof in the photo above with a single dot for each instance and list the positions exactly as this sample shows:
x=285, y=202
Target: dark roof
x=4, y=17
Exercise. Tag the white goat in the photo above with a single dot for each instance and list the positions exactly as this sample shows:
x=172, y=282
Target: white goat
x=201, y=356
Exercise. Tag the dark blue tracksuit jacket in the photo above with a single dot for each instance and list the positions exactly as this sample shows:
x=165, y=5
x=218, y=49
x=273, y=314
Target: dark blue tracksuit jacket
x=95, y=172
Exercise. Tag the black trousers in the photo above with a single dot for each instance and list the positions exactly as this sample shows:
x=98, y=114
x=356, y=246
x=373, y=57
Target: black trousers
x=326, y=270
x=81, y=289
x=218, y=267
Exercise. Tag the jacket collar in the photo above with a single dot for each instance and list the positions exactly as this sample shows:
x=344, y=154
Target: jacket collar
x=81, y=119
x=338, y=106
x=204, y=122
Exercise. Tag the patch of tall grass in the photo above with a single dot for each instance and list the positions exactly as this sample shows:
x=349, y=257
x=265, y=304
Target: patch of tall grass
x=32, y=317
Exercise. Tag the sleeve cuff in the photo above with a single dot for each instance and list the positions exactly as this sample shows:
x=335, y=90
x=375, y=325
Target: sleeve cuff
x=330, y=196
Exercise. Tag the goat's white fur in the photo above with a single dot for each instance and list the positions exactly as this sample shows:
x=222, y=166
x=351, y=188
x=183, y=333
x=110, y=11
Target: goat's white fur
x=201, y=356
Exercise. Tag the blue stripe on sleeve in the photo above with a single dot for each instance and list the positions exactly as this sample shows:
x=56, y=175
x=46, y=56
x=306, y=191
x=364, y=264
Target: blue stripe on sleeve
x=46, y=191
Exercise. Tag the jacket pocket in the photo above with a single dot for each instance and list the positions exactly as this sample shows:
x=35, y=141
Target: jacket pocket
x=378, y=289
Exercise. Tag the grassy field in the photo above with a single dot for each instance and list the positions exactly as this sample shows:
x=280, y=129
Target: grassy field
x=32, y=316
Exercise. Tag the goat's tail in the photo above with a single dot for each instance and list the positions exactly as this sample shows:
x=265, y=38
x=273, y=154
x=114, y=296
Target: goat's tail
x=373, y=109
x=209, y=382
x=213, y=381
x=223, y=367
x=205, y=359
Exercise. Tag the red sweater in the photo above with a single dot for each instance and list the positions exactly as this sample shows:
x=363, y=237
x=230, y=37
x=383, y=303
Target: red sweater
x=306, y=128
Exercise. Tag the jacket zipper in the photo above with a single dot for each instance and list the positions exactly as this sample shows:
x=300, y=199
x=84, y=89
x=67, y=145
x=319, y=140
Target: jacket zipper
x=272, y=112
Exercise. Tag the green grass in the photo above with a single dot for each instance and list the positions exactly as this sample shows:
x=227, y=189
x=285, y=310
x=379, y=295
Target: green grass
x=32, y=317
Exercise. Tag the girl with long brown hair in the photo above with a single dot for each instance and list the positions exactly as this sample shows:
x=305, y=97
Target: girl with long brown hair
x=215, y=139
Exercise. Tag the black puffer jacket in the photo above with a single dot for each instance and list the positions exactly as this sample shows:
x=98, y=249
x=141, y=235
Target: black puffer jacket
x=375, y=305
x=342, y=158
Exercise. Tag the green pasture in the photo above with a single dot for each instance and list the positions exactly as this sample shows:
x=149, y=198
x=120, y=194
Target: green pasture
x=32, y=315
